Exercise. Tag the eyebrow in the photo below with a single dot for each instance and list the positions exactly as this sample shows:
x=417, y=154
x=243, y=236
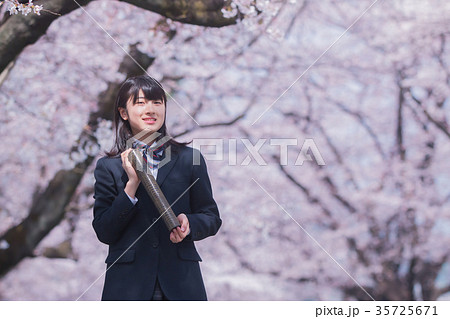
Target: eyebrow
x=143, y=98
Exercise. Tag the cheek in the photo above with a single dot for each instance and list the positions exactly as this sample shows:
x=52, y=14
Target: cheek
x=162, y=113
x=133, y=117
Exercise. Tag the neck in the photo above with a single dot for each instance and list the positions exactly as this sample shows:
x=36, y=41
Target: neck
x=147, y=137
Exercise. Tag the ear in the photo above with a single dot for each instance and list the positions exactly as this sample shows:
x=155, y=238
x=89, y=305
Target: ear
x=123, y=113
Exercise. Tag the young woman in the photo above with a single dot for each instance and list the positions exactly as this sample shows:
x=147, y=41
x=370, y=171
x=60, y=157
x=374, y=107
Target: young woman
x=145, y=261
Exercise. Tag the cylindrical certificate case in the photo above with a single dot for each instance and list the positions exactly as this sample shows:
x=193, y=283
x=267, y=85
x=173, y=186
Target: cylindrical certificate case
x=153, y=190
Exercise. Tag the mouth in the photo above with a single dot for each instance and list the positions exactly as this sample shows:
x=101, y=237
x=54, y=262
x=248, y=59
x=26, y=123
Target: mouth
x=149, y=120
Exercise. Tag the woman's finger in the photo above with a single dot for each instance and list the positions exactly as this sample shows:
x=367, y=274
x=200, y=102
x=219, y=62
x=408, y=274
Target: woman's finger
x=181, y=234
x=172, y=238
x=184, y=221
x=125, y=157
x=174, y=235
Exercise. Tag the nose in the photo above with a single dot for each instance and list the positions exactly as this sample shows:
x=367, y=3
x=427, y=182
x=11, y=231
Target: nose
x=150, y=107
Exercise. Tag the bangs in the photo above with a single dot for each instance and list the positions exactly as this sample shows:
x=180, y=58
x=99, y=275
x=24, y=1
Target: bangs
x=152, y=91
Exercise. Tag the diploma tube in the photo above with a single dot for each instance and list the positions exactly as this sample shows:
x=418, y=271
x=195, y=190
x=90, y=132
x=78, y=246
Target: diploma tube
x=153, y=190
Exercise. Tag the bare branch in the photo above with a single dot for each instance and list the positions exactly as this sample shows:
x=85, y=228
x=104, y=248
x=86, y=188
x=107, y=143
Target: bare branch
x=311, y=198
x=399, y=131
x=443, y=126
x=366, y=126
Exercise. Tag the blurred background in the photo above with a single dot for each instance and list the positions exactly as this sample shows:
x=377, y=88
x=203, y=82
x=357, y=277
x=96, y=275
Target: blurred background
x=367, y=81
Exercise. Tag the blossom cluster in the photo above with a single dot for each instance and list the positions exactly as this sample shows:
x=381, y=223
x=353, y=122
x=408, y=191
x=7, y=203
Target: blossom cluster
x=15, y=7
x=230, y=11
x=252, y=8
x=254, y=14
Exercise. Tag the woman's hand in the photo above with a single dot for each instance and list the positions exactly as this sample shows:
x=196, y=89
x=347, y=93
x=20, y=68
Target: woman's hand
x=133, y=179
x=132, y=176
x=179, y=233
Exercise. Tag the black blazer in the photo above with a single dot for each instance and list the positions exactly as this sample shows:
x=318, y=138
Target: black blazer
x=140, y=255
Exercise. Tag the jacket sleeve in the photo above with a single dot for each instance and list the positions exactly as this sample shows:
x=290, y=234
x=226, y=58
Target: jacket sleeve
x=112, y=207
x=204, y=219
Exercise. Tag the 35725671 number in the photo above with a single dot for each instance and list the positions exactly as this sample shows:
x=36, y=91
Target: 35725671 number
x=406, y=310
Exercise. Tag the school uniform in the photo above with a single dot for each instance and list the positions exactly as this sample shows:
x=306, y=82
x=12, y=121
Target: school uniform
x=141, y=256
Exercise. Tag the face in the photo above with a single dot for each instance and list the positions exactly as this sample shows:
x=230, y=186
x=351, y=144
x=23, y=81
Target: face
x=144, y=115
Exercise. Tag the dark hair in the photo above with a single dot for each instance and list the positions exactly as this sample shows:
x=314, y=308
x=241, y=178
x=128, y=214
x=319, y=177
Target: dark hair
x=130, y=88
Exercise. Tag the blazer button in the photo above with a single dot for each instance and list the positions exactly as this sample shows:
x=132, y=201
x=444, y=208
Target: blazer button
x=155, y=245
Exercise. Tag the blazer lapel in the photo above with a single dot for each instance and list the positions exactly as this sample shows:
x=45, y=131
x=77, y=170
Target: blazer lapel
x=164, y=171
